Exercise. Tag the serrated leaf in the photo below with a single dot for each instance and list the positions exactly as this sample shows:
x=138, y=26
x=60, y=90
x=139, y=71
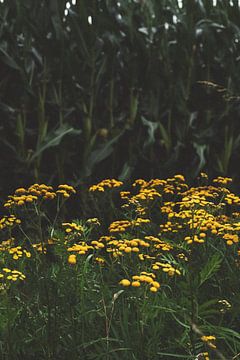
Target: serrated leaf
x=211, y=267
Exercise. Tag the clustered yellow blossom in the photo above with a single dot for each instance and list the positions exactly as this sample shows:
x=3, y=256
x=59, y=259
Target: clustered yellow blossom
x=7, y=274
x=222, y=180
x=100, y=260
x=170, y=227
x=127, y=246
x=42, y=246
x=159, y=244
x=36, y=192
x=167, y=219
x=9, y=221
x=182, y=256
x=167, y=268
x=16, y=252
x=147, y=194
x=144, y=277
x=73, y=227
x=122, y=225
x=93, y=221
x=189, y=216
x=81, y=248
x=153, y=191
x=205, y=355
x=6, y=244
x=231, y=238
x=106, y=184
x=65, y=190
x=209, y=340
x=225, y=306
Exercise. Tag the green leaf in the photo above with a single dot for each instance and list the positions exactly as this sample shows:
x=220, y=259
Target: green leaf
x=175, y=356
x=101, y=153
x=8, y=60
x=208, y=308
x=126, y=172
x=200, y=150
x=211, y=267
x=152, y=127
x=53, y=139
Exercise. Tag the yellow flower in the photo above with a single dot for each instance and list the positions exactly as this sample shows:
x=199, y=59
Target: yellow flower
x=100, y=260
x=153, y=289
x=72, y=259
x=125, y=282
x=155, y=284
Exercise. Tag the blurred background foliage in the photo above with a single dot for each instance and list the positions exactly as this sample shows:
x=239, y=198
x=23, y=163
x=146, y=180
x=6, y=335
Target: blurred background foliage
x=91, y=89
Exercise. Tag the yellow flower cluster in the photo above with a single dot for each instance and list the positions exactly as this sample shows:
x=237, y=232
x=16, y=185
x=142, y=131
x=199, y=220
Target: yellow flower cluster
x=222, y=180
x=126, y=246
x=152, y=190
x=97, y=244
x=24, y=196
x=119, y=226
x=81, y=248
x=182, y=256
x=209, y=340
x=122, y=225
x=11, y=275
x=231, y=238
x=147, y=194
x=205, y=355
x=17, y=252
x=159, y=244
x=170, y=227
x=140, y=221
x=65, y=190
x=100, y=260
x=106, y=184
x=187, y=216
x=164, y=221
x=144, y=277
x=8, y=221
x=73, y=227
x=6, y=244
x=232, y=199
x=42, y=247
x=225, y=306
x=167, y=268
x=195, y=238
x=93, y=221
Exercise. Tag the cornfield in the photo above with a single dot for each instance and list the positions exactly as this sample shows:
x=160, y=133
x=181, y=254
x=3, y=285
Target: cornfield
x=121, y=88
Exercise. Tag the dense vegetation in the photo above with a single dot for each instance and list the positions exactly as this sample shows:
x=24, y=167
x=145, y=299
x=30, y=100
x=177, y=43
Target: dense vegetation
x=122, y=94
x=115, y=88
x=158, y=280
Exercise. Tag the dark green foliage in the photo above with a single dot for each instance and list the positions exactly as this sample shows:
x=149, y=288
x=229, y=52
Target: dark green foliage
x=121, y=96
